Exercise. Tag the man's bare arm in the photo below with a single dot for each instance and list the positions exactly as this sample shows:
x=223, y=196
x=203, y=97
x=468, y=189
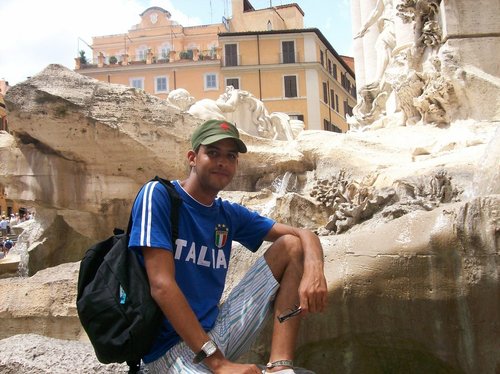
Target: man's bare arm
x=313, y=290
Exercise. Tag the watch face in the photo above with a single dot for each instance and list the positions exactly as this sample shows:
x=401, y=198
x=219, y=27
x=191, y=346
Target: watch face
x=207, y=350
x=211, y=348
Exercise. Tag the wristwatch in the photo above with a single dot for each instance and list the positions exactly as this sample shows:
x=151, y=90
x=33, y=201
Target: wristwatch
x=207, y=350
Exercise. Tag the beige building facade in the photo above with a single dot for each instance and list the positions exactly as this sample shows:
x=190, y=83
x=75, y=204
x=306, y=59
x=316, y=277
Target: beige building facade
x=267, y=52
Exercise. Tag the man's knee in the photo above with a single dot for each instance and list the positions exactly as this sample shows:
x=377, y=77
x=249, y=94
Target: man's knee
x=289, y=245
x=284, y=251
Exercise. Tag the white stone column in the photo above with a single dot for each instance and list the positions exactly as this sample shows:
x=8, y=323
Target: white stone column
x=365, y=55
x=357, y=44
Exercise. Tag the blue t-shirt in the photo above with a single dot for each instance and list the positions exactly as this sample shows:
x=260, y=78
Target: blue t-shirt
x=201, y=252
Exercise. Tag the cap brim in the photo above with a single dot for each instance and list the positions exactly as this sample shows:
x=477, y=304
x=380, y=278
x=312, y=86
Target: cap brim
x=242, y=148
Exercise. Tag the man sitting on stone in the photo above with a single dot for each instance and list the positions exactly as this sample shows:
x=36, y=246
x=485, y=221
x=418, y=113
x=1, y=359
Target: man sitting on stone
x=187, y=277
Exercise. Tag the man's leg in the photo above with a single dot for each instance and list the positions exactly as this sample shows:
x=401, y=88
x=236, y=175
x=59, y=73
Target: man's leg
x=240, y=320
x=285, y=258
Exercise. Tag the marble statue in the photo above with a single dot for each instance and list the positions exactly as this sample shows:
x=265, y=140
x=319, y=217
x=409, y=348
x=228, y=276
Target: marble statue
x=373, y=96
x=180, y=98
x=426, y=29
x=383, y=15
x=371, y=106
x=434, y=104
x=409, y=73
x=247, y=112
x=215, y=109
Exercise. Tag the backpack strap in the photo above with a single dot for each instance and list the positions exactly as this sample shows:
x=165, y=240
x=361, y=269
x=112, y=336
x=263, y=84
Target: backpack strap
x=175, y=202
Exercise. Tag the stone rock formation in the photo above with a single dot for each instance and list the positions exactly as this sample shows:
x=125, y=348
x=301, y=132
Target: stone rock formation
x=36, y=354
x=408, y=218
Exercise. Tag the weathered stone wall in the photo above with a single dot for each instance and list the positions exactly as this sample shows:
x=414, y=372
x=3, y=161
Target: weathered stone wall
x=419, y=292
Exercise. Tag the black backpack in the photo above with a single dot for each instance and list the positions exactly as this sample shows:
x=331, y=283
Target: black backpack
x=114, y=302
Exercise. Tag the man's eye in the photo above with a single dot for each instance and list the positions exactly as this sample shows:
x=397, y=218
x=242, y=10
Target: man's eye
x=232, y=156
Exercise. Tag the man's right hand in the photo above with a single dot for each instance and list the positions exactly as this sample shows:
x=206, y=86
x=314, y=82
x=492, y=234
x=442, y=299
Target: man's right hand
x=218, y=364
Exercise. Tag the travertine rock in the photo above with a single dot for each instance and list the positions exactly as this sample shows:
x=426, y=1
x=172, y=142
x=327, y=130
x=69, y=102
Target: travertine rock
x=435, y=270
x=36, y=354
x=419, y=275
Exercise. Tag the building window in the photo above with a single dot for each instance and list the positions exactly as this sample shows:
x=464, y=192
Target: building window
x=165, y=51
x=347, y=109
x=288, y=52
x=299, y=117
x=336, y=102
x=335, y=71
x=137, y=83
x=330, y=66
x=235, y=82
x=141, y=54
x=322, y=58
x=186, y=55
x=231, y=55
x=330, y=127
x=161, y=84
x=332, y=99
x=325, y=93
x=269, y=26
x=290, y=85
x=211, y=81
x=213, y=52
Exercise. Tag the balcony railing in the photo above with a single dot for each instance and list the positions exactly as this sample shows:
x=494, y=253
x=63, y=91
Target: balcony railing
x=278, y=58
x=149, y=58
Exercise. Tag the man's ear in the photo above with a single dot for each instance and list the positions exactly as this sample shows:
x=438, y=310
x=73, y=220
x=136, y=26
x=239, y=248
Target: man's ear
x=191, y=155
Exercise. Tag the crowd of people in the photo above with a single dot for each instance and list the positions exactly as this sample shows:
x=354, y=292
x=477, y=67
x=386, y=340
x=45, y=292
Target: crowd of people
x=6, y=235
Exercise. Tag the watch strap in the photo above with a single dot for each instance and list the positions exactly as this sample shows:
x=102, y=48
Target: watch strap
x=209, y=347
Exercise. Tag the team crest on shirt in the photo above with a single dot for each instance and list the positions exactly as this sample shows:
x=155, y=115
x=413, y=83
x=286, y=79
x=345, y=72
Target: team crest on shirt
x=221, y=233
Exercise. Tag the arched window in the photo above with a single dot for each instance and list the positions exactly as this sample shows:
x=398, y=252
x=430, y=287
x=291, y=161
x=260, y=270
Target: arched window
x=269, y=25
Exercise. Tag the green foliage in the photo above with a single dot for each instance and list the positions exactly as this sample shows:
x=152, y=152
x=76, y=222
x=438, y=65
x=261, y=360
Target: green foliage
x=113, y=60
x=83, y=58
x=186, y=55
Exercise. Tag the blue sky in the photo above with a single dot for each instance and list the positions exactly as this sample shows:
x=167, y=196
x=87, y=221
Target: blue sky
x=37, y=33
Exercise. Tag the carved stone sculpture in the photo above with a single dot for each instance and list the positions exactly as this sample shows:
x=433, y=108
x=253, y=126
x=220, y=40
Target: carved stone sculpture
x=371, y=105
x=180, y=98
x=247, y=112
x=423, y=93
x=383, y=16
x=215, y=109
x=434, y=104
